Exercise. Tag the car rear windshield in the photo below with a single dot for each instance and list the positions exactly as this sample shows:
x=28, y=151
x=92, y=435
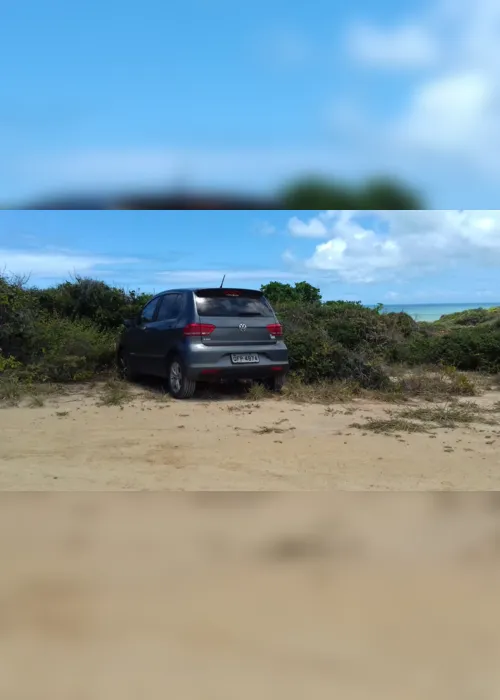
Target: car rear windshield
x=226, y=302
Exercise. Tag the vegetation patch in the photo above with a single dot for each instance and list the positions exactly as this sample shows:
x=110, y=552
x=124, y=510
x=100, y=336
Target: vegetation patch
x=114, y=393
x=424, y=418
x=447, y=415
x=396, y=424
x=338, y=350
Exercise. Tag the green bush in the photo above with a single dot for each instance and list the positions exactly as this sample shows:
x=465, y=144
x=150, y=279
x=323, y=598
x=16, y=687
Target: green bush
x=468, y=349
x=65, y=333
x=300, y=293
x=9, y=364
x=321, y=347
x=475, y=349
x=372, y=336
x=314, y=360
x=465, y=318
x=470, y=317
x=104, y=306
x=18, y=313
x=71, y=350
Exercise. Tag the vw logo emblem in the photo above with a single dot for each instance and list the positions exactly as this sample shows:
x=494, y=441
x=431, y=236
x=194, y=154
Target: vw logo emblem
x=242, y=327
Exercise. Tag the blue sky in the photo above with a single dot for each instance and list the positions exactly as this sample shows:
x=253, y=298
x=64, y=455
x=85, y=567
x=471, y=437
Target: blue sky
x=98, y=95
x=389, y=257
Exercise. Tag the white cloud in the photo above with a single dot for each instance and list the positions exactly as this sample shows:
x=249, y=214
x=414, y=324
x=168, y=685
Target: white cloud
x=407, y=46
x=314, y=228
x=194, y=277
x=398, y=244
x=54, y=263
x=61, y=264
x=449, y=115
x=264, y=228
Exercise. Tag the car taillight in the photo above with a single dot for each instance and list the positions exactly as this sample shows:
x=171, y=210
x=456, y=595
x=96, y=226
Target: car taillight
x=275, y=329
x=195, y=329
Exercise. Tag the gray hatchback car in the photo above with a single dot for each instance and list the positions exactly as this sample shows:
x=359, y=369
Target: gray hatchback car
x=214, y=334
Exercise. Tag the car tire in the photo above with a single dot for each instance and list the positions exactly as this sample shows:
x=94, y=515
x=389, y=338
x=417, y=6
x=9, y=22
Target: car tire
x=178, y=383
x=276, y=383
x=124, y=369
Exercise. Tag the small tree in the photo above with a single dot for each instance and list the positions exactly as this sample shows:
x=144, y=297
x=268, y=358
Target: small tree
x=283, y=293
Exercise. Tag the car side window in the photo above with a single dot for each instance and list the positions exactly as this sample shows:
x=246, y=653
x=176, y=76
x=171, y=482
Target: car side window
x=170, y=307
x=148, y=312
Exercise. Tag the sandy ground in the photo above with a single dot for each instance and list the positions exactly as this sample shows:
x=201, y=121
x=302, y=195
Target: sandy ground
x=269, y=596
x=234, y=444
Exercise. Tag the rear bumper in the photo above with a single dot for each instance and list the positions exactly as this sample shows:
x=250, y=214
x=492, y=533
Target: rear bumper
x=236, y=372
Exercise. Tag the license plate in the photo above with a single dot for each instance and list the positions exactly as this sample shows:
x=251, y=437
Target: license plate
x=244, y=359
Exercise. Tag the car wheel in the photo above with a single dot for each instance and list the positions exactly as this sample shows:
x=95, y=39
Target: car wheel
x=276, y=383
x=179, y=385
x=124, y=369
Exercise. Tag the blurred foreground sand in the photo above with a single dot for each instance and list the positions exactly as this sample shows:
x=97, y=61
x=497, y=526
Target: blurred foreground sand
x=75, y=444
x=269, y=596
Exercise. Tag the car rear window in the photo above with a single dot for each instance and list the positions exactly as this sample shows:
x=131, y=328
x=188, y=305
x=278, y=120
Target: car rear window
x=224, y=302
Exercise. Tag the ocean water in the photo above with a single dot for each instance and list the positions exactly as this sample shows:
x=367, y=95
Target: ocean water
x=432, y=312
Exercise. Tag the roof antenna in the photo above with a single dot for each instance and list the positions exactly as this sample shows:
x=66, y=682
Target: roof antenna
x=222, y=281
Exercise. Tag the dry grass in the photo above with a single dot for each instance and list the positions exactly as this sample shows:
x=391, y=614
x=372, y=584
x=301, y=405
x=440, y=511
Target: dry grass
x=115, y=393
x=37, y=401
x=431, y=385
x=448, y=415
x=321, y=392
x=13, y=391
x=395, y=424
x=161, y=396
x=266, y=429
x=256, y=392
x=424, y=418
x=421, y=383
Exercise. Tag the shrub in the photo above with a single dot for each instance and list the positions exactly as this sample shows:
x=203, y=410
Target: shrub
x=465, y=349
x=92, y=300
x=71, y=350
x=300, y=293
x=65, y=333
x=314, y=356
x=9, y=364
x=18, y=313
x=470, y=317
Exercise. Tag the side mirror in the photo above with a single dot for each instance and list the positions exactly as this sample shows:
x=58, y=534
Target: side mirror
x=129, y=323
